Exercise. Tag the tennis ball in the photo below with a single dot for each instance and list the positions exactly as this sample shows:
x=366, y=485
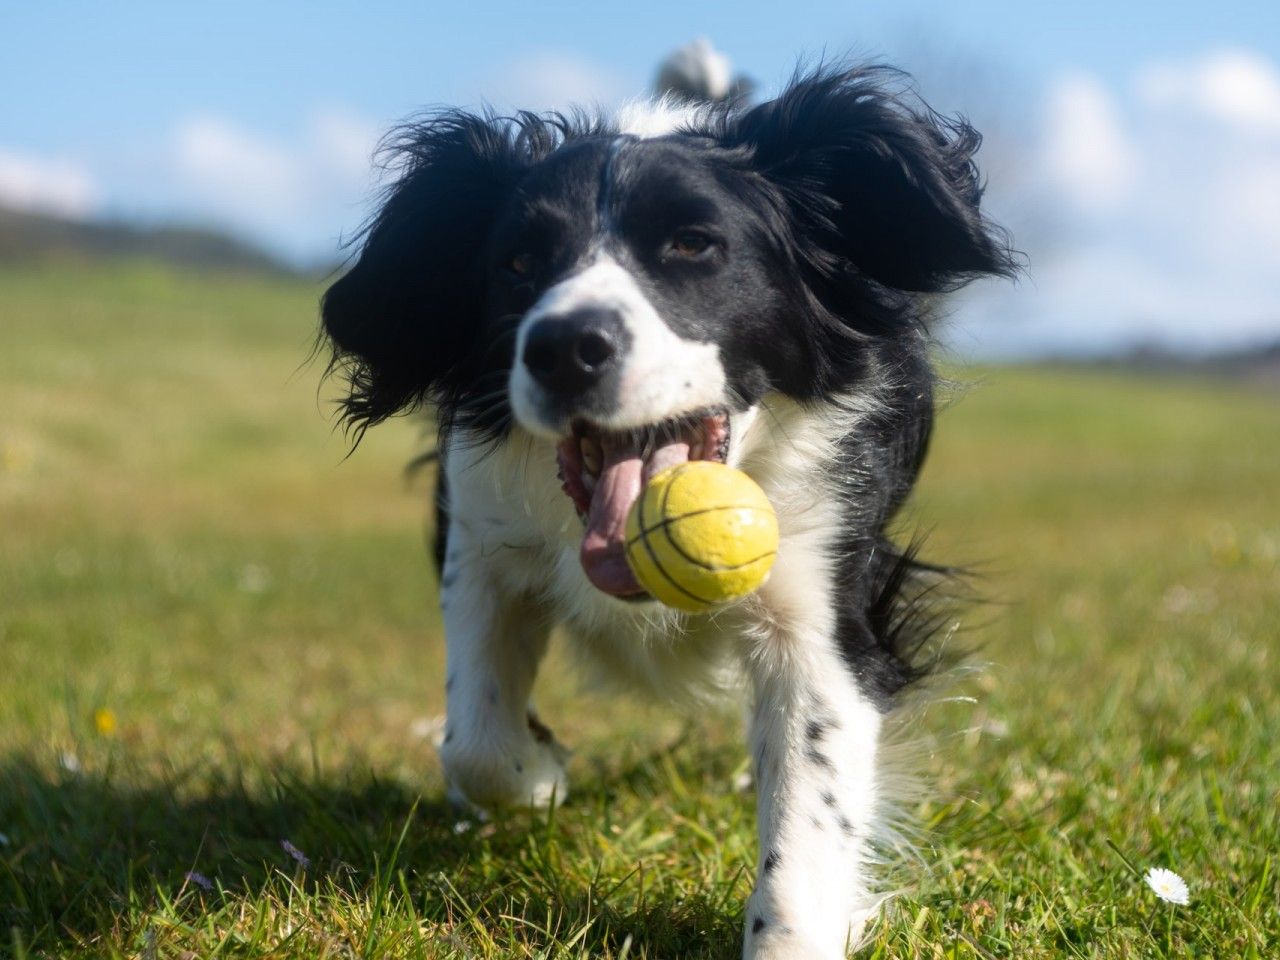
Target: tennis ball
x=701, y=533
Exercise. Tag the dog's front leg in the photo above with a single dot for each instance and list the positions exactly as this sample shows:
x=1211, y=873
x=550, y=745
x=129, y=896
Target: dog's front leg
x=814, y=739
x=495, y=752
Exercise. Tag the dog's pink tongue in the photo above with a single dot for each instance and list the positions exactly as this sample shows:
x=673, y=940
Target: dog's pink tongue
x=623, y=473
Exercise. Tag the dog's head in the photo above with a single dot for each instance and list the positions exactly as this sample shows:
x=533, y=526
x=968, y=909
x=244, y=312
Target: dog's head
x=623, y=293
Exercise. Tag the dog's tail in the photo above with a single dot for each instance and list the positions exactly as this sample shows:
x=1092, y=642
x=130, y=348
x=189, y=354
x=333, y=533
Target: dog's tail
x=699, y=73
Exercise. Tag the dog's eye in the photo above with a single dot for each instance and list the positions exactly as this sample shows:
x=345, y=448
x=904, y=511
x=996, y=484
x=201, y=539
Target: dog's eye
x=690, y=244
x=523, y=264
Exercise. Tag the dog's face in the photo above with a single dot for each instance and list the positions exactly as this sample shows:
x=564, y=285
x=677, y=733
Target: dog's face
x=621, y=296
x=645, y=307
x=645, y=288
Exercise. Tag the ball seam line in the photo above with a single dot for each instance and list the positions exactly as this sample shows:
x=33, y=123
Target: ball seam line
x=665, y=523
x=668, y=521
x=711, y=568
x=654, y=557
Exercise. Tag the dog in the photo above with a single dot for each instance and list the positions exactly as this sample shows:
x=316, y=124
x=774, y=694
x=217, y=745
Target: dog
x=584, y=300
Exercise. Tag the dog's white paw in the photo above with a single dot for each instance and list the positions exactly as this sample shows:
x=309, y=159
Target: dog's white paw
x=521, y=774
x=785, y=944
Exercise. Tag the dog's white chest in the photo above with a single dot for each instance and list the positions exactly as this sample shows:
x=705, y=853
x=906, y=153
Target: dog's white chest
x=508, y=499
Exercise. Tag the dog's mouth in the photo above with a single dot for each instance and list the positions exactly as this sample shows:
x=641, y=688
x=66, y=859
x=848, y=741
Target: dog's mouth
x=603, y=472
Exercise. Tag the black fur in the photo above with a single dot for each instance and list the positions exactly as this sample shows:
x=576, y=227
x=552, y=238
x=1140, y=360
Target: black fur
x=407, y=321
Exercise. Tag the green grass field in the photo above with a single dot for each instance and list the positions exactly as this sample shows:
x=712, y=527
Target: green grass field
x=216, y=634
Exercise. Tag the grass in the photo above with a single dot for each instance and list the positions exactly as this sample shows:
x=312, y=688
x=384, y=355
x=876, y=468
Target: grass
x=217, y=635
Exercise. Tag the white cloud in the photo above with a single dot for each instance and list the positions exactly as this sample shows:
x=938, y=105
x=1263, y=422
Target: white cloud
x=46, y=185
x=1164, y=203
x=1236, y=87
x=554, y=81
x=300, y=191
x=344, y=141
x=1086, y=148
x=236, y=168
x=1246, y=200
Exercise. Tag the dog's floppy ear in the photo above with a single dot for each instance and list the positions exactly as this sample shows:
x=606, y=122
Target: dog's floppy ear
x=406, y=317
x=876, y=179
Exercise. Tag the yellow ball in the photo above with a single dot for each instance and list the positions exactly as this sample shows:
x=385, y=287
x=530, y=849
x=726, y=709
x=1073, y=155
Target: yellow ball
x=700, y=534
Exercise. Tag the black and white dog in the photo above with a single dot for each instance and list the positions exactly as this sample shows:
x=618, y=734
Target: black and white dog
x=585, y=301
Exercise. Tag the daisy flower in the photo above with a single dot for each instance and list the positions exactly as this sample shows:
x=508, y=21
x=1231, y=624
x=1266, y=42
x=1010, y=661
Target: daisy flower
x=1167, y=885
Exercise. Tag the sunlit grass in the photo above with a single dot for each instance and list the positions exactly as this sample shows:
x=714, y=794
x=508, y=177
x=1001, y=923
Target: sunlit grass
x=183, y=545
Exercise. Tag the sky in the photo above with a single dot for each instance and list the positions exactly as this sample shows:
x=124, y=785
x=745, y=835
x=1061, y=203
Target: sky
x=1132, y=148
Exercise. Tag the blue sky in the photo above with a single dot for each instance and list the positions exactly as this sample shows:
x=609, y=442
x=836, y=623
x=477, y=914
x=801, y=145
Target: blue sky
x=1134, y=147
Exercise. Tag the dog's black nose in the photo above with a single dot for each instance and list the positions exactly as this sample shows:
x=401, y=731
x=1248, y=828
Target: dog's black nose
x=567, y=354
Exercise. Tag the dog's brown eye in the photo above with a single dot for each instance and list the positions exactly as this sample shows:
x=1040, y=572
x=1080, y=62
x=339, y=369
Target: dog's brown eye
x=522, y=264
x=690, y=244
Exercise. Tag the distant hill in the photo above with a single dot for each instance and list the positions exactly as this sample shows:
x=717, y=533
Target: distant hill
x=1258, y=364
x=33, y=236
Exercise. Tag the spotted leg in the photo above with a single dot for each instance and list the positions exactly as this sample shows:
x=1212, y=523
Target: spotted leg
x=495, y=751
x=814, y=739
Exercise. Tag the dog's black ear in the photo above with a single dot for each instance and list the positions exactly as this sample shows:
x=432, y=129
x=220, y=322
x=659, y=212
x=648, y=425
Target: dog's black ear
x=876, y=179
x=405, y=318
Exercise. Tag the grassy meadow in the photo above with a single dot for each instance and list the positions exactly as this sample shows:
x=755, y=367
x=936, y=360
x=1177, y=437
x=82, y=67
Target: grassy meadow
x=220, y=673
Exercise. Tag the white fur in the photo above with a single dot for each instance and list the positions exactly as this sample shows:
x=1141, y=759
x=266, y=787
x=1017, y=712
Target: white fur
x=495, y=641
x=512, y=571
x=650, y=118
x=662, y=374
x=816, y=795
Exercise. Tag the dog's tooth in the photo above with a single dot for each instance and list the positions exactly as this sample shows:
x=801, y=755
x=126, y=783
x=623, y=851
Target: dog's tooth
x=592, y=455
x=589, y=481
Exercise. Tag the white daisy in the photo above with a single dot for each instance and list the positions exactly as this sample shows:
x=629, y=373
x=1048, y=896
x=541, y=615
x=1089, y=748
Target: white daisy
x=1167, y=885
